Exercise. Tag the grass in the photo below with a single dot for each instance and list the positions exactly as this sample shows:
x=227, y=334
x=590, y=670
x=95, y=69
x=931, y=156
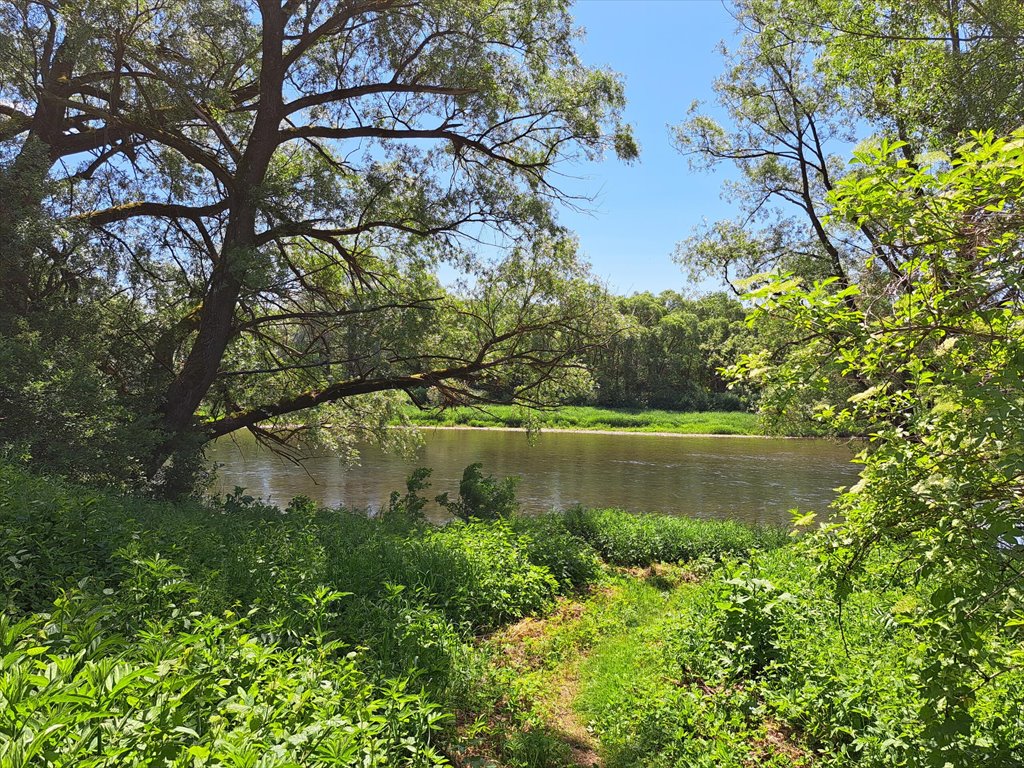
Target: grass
x=587, y=417
x=225, y=631
x=149, y=634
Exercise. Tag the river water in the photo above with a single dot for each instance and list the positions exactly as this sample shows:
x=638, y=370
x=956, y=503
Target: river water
x=756, y=480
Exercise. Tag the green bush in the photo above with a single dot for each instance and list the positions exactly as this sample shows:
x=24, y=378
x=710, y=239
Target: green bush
x=746, y=628
x=482, y=497
x=548, y=543
x=481, y=572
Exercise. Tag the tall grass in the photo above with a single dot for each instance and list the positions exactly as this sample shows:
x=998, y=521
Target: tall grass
x=135, y=632
x=623, y=538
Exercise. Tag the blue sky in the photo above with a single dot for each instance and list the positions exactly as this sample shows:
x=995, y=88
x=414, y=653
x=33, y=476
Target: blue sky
x=665, y=49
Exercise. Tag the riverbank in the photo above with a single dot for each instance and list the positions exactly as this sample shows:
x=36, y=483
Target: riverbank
x=587, y=418
x=588, y=431
x=218, y=634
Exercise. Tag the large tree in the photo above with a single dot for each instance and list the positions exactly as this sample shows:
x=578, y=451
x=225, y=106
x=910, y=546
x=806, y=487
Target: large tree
x=260, y=194
x=892, y=293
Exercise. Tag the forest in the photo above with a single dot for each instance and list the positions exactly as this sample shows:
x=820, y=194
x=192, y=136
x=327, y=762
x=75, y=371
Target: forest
x=308, y=219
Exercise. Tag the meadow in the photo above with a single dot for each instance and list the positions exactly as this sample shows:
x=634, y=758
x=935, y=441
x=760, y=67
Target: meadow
x=231, y=633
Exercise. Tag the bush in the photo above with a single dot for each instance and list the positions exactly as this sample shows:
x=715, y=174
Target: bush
x=403, y=638
x=548, y=543
x=481, y=573
x=746, y=627
x=482, y=497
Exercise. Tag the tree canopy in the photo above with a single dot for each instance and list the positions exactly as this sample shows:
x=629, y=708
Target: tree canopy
x=888, y=304
x=251, y=200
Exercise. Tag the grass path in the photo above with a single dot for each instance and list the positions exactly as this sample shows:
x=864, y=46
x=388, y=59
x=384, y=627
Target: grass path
x=537, y=668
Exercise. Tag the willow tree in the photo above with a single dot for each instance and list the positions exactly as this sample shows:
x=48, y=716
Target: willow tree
x=271, y=188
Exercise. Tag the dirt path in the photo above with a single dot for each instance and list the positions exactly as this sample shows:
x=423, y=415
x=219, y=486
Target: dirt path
x=529, y=648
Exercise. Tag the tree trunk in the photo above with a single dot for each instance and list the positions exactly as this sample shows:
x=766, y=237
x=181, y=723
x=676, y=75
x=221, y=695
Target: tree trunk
x=238, y=251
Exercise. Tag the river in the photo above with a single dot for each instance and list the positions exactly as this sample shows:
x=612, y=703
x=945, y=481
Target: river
x=755, y=480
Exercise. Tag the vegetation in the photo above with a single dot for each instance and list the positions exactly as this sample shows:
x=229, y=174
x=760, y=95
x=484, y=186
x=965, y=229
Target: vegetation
x=890, y=305
x=756, y=666
x=230, y=215
x=233, y=215
x=147, y=633
x=588, y=417
x=670, y=353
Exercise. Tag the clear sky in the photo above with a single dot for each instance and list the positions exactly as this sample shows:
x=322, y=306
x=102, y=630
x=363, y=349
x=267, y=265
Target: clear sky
x=665, y=49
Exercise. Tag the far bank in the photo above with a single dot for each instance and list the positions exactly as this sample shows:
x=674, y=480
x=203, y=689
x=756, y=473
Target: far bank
x=591, y=418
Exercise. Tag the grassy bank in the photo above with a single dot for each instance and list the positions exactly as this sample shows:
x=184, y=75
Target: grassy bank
x=148, y=634
x=585, y=417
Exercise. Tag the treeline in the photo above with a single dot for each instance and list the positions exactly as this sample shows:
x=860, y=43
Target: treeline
x=670, y=353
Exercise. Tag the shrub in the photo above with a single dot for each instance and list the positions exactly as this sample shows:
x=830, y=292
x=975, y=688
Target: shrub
x=408, y=509
x=482, y=497
x=481, y=573
x=192, y=689
x=746, y=629
x=403, y=638
x=570, y=559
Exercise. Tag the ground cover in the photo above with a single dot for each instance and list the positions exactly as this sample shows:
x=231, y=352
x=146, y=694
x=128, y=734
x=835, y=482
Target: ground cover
x=592, y=418
x=149, y=634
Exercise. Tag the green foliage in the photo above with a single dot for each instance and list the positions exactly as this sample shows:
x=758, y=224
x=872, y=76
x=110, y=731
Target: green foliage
x=548, y=543
x=482, y=497
x=669, y=353
x=939, y=367
x=402, y=637
x=748, y=615
x=481, y=571
x=624, y=538
x=408, y=508
x=589, y=417
x=758, y=665
x=191, y=689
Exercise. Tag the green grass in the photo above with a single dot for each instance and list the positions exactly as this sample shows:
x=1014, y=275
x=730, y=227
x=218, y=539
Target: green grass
x=624, y=538
x=230, y=629
x=134, y=632
x=752, y=666
x=586, y=417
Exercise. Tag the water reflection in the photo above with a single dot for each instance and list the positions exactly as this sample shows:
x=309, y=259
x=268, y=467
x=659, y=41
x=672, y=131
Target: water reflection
x=749, y=479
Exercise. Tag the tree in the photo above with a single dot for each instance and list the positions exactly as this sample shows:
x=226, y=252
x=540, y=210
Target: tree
x=810, y=79
x=271, y=186
x=669, y=352
x=807, y=81
x=941, y=491
x=889, y=304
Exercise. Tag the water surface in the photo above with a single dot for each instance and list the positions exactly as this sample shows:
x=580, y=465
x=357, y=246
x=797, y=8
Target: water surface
x=755, y=480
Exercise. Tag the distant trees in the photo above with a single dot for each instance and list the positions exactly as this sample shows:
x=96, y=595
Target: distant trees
x=234, y=211
x=670, y=353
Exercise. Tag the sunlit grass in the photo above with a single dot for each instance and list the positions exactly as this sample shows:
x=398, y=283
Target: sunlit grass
x=587, y=417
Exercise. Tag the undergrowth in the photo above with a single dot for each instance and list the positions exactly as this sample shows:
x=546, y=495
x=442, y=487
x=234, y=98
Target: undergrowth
x=234, y=633
x=140, y=633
